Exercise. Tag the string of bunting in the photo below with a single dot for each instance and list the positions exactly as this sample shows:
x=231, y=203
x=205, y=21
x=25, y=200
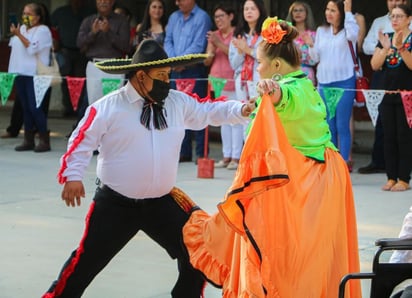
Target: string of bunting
x=76, y=84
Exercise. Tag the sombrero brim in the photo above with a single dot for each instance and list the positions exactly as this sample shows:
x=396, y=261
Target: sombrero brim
x=122, y=66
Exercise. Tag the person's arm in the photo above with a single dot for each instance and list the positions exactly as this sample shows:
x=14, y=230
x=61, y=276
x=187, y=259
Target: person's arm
x=199, y=40
x=308, y=38
x=82, y=142
x=378, y=58
x=87, y=33
x=351, y=27
x=119, y=38
x=360, y=20
x=270, y=87
x=314, y=47
x=41, y=39
x=381, y=51
x=168, y=43
x=235, y=59
x=15, y=30
x=220, y=44
x=371, y=39
x=406, y=56
x=211, y=51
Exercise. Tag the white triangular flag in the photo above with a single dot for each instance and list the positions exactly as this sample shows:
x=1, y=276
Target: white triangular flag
x=373, y=98
x=41, y=84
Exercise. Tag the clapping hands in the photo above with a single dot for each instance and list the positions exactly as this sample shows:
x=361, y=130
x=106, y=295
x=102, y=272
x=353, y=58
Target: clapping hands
x=384, y=40
x=240, y=44
x=100, y=24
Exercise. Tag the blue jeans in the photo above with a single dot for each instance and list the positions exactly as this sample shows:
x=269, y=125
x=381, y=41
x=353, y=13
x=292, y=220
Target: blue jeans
x=197, y=72
x=340, y=124
x=34, y=118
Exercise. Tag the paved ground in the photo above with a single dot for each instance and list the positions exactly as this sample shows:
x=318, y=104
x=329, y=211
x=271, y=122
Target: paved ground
x=38, y=231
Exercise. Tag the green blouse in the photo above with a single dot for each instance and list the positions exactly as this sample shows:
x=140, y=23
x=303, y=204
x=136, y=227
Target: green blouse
x=303, y=115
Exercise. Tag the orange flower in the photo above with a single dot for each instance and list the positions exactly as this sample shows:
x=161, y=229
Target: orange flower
x=272, y=32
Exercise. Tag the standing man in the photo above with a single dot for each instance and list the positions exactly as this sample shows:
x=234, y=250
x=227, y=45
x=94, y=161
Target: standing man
x=101, y=36
x=383, y=23
x=138, y=129
x=186, y=34
x=67, y=20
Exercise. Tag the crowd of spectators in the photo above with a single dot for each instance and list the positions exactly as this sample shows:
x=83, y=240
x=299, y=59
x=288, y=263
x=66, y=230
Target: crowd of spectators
x=83, y=36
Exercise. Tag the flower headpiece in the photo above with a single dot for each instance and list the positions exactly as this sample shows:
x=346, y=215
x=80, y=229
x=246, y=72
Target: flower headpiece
x=272, y=32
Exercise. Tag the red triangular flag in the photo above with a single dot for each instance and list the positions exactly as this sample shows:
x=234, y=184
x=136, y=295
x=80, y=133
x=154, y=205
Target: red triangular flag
x=407, y=105
x=185, y=85
x=75, y=86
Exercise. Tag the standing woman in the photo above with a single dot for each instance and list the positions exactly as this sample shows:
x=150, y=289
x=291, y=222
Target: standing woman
x=218, y=60
x=30, y=41
x=301, y=16
x=393, y=56
x=336, y=69
x=242, y=49
x=153, y=24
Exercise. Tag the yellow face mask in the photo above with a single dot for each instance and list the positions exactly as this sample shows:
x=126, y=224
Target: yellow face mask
x=27, y=20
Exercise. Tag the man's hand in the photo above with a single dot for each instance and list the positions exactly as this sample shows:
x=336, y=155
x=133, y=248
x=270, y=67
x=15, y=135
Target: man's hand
x=249, y=107
x=72, y=192
x=104, y=25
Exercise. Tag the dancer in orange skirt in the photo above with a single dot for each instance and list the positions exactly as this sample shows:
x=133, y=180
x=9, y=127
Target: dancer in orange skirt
x=287, y=225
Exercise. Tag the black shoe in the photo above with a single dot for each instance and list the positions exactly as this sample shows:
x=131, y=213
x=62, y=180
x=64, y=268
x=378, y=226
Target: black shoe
x=9, y=135
x=371, y=169
x=185, y=159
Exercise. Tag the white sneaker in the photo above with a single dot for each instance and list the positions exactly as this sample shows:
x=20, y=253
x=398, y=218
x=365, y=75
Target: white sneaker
x=221, y=164
x=232, y=165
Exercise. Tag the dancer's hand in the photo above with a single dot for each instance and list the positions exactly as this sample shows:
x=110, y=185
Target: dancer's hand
x=72, y=193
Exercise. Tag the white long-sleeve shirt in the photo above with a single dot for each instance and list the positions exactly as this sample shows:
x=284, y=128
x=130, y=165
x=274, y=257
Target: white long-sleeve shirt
x=24, y=60
x=382, y=23
x=133, y=160
x=331, y=51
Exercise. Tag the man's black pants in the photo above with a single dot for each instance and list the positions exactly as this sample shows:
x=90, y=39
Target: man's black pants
x=111, y=222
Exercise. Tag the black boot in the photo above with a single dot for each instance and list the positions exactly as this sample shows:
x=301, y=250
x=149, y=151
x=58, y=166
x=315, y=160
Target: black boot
x=28, y=142
x=44, y=142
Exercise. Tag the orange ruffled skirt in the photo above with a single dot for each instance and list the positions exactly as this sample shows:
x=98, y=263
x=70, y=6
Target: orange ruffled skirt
x=287, y=226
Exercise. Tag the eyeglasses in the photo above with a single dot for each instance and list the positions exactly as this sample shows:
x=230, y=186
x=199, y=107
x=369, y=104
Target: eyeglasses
x=296, y=10
x=219, y=16
x=397, y=16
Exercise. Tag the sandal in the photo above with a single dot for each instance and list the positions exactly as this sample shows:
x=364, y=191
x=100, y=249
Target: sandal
x=222, y=163
x=388, y=186
x=400, y=186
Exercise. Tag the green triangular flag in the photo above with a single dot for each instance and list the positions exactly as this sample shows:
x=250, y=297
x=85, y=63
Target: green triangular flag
x=218, y=84
x=6, y=85
x=109, y=85
x=332, y=97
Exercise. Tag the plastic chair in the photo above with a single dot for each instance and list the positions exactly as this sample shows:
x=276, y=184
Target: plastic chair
x=384, y=276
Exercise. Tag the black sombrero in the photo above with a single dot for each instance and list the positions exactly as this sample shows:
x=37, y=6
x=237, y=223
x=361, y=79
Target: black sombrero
x=149, y=54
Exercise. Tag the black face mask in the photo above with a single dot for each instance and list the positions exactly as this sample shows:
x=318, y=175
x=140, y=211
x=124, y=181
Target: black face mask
x=158, y=94
x=160, y=91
